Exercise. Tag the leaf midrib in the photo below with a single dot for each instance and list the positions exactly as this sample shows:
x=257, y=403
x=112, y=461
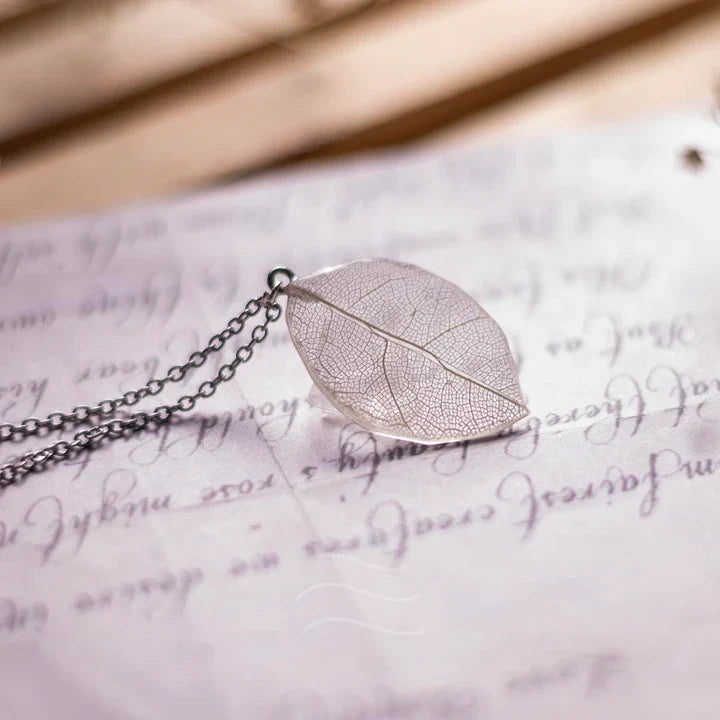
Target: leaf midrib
x=294, y=289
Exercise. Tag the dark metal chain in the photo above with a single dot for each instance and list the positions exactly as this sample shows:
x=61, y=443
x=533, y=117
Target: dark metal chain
x=35, y=461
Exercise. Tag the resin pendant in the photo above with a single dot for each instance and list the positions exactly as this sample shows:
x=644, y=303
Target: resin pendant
x=404, y=353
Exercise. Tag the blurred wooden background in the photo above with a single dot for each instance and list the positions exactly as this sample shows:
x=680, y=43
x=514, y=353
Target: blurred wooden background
x=111, y=101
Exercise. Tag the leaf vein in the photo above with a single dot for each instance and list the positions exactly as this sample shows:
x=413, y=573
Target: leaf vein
x=294, y=289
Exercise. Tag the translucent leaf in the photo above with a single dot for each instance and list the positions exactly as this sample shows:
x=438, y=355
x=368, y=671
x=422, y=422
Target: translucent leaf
x=404, y=353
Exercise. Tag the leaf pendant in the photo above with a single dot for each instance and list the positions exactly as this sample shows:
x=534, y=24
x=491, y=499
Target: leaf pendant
x=404, y=353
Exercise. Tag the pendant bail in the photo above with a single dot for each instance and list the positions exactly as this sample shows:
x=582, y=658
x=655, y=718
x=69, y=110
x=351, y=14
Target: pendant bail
x=274, y=278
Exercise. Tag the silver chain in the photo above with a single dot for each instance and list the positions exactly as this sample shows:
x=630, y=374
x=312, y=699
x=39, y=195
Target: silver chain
x=36, y=461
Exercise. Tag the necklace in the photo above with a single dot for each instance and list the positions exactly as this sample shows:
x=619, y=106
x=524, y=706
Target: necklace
x=394, y=348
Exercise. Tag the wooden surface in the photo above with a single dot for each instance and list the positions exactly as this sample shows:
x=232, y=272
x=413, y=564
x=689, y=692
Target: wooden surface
x=123, y=100
x=78, y=57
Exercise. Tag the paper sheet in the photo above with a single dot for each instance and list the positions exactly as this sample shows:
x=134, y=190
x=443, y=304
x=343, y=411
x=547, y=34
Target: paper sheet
x=262, y=560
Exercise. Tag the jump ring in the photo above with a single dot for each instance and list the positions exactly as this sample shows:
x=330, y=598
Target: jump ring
x=274, y=278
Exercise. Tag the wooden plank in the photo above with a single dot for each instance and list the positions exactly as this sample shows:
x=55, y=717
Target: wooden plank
x=16, y=8
x=401, y=57
x=85, y=55
x=679, y=70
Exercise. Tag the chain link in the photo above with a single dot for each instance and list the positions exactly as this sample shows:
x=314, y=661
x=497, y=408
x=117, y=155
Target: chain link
x=13, y=471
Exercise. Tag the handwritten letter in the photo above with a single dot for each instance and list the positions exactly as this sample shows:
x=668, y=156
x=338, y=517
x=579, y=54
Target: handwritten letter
x=256, y=558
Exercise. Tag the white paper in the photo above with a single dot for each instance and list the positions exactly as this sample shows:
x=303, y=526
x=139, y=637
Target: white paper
x=261, y=559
